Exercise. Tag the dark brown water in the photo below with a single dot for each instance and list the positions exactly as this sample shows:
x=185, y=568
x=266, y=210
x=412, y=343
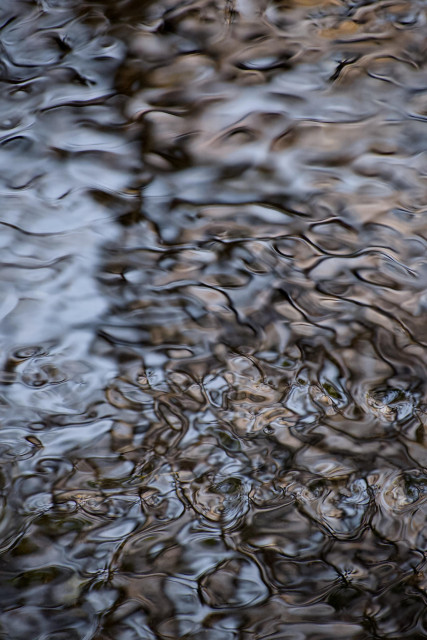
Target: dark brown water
x=213, y=277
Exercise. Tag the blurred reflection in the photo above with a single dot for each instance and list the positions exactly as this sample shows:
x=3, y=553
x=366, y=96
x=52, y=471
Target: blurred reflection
x=213, y=277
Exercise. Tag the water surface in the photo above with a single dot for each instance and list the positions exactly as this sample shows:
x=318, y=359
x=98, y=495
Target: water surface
x=213, y=284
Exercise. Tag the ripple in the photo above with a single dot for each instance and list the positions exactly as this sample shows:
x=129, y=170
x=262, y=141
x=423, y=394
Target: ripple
x=212, y=372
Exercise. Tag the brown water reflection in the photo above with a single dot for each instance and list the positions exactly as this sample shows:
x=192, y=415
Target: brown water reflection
x=213, y=277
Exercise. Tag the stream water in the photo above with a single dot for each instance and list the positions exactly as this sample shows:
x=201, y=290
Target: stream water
x=213, y=278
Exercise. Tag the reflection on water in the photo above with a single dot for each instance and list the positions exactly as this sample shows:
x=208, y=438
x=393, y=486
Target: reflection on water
x=213, y=295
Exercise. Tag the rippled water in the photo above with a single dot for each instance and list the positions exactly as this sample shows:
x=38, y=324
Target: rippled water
x=213, y=319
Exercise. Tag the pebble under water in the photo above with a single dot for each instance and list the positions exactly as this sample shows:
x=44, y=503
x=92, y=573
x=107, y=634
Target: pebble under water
x=213, y=279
